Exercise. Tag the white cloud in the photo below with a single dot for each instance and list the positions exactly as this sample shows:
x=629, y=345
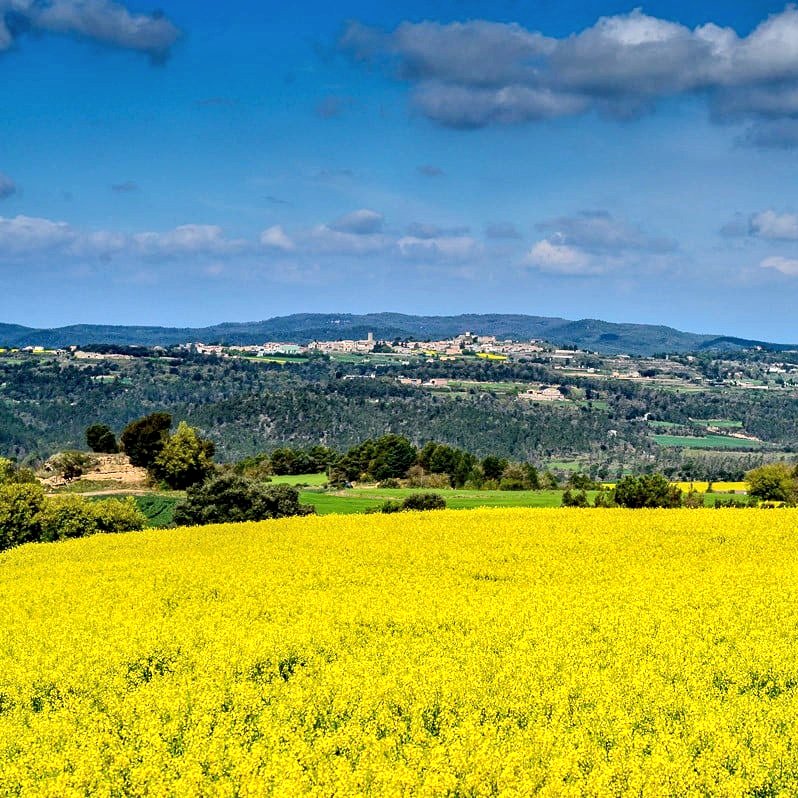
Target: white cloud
x=554, y=258
x=774, y=226
x=276, y=238
x=25, y=234
x=326, y=240
x=600, y=231
x=447, y=247
x=188, y=239
x=788, y=266
x=361, y=222
x=98, y=20
x=476, y=73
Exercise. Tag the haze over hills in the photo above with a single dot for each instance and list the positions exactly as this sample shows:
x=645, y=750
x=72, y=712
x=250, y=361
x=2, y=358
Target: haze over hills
x=591, y=334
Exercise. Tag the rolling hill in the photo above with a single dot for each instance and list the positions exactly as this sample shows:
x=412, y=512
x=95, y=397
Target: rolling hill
x=593, y=334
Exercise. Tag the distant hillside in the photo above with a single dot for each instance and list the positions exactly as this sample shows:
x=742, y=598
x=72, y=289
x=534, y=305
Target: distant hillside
x=592, y=334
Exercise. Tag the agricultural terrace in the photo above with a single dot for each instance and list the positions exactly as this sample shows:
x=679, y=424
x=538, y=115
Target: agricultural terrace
x=497, y=652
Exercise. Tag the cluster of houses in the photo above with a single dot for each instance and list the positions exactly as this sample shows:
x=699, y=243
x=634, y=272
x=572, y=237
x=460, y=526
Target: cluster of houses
x=467, y=343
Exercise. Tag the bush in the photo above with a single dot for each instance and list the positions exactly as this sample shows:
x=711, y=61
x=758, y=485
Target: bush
x=19, y=513
x=100, y=439
x=186, y=459
x=417, y=478
x=389, y=507
x=229, y=498
x=142, y=440
x=10, y=472
x=27, y=516
x=647, y=490
x=604, y=498
x=577, y=499
x=66, y=517
x=389, y=483
x=118, y=515
x=772, y=483
x=424, y=501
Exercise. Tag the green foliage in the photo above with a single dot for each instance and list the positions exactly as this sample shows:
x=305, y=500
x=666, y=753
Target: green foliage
x=387, y=457
x=66, y=516
x=229, y=498
x=184, y=460
x=302, y=461
x=100, y=438
x=158, y=510
x=19, y=513
x=520, y=476
x=493, y=467
x=424, y=501
x=392, y=457
x=647, y=490
x=548, y=482
x=10, y=472
x=582, y=482
x=574, y=499
x=118, y=515
x=142, y=440
x=439, y=458
x=773, y=483
x=27, y=515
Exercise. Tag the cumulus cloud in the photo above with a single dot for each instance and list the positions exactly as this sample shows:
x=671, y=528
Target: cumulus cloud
x=276, y=238
x=446, y=247
x=188, y=239
x=600, y=231
x=559, y=258
x=768, y=225
x=774, y=226
x=7, y=186
x=788, y=266
x=26, y=234
x=361, y=222
x=478, y=73
x=102, y=21
x=328, y=240
x=592, y=242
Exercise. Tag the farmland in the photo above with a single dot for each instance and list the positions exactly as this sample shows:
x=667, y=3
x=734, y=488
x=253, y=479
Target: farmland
x=507, y=651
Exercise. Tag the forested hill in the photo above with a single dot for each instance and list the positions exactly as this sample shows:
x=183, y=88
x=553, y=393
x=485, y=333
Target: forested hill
x=592, y=334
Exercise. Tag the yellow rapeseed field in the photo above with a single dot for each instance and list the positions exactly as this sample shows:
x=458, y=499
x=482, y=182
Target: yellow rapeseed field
x=491, y=652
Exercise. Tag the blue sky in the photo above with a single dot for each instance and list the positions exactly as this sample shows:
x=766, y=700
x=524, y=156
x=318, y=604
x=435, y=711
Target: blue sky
x=218, y=163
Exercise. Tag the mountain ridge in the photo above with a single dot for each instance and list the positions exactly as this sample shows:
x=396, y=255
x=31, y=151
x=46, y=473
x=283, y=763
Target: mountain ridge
x=592, y=334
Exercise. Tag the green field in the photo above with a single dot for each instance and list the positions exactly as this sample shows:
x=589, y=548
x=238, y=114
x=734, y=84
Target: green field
x=315, y=480
x=706, y=442
x=158, y=508
x=357, y=500
x=720, y=423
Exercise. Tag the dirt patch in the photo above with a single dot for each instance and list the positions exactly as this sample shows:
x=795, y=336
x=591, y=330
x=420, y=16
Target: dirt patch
x=109, y=470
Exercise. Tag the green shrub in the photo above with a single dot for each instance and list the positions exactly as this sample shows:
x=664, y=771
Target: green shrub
x=424, y=501
x=20, y=505
x=574, y=499
x=101, y=439
x=647, y=490
x=229, y=498
x=774, y=482
x=66, y=516
x=118, y=515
